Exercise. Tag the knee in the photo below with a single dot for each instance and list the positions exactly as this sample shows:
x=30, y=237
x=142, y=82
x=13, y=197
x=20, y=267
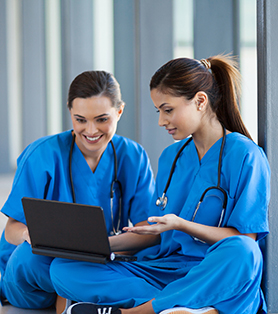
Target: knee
x=242, y=253
x=59, y=273
x=23, y=261
x=54, y=268
x=246, y=249
x=20, y=259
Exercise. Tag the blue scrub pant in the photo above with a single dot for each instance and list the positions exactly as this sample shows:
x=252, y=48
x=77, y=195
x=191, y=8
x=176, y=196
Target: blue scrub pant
x=228, y=279
x=26, y=282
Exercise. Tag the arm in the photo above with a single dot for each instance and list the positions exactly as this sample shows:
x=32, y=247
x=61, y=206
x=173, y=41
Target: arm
x=132, y=241
x=205, y=233
x=16, y=232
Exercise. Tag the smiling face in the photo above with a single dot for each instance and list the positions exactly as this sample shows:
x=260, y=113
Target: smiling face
x=94, y=123
x=179, y=116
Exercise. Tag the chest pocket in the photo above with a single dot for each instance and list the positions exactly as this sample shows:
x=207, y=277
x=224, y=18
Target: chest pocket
x=211, y=208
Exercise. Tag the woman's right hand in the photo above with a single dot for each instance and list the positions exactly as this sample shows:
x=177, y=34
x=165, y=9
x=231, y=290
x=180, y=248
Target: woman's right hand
x=26, y=236
x=16, y=232
x=159, y=225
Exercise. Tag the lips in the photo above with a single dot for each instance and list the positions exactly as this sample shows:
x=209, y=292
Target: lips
x=171, y=131
x=92, y=139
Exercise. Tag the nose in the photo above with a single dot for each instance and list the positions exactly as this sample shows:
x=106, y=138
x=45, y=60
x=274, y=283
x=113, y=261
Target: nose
x=161, y=120
x=91, y=128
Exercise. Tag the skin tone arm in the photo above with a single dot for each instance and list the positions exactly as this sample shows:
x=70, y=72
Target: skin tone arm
x=16, y=232
x=205, y=233
x=133, y=242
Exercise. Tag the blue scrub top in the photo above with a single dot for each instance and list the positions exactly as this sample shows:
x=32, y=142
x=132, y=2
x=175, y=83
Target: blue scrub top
x=43, y=172
x=245, y=176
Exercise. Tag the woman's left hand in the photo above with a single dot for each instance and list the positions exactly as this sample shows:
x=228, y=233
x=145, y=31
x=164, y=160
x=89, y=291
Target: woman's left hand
x=159, y=225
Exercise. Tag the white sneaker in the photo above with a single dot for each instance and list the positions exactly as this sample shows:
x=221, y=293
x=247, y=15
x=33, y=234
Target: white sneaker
x=68, y=304
x=185, y=310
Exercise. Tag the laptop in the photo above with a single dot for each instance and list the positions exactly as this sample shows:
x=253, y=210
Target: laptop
x=69, y=230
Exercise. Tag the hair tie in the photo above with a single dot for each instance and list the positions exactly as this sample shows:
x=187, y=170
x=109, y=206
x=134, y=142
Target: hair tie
x=206, y=63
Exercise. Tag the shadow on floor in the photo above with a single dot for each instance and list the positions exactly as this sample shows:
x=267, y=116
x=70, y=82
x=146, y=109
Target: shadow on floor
x=8, y=309
x=5, y=186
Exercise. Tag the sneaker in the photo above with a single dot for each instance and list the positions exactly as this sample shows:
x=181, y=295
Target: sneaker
x=185, y=310
x=68, y=304
x=91, y=308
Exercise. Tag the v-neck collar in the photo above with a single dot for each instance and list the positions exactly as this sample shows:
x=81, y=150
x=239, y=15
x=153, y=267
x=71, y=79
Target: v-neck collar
x=89, y=176
x=213, y=151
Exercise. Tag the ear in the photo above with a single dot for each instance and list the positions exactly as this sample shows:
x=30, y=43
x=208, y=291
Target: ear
x=201, y=100
x=121, y=110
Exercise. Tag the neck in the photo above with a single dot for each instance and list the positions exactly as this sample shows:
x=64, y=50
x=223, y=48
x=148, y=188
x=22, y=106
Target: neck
x=93, y=162
x=92, y=157
x=207, y=137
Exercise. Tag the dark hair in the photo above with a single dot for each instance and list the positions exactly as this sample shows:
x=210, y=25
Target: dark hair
x=95, y=83
x=184, y=77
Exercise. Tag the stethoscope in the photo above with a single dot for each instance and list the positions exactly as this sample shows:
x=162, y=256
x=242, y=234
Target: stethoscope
x=112, y=189
x=162, y=201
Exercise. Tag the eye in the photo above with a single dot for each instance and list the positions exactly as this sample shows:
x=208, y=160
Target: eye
x=102, y=120
x=80, y=120
x=168, y=110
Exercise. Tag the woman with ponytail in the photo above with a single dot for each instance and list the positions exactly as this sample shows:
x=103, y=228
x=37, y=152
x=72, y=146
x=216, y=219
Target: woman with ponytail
x=209, y=210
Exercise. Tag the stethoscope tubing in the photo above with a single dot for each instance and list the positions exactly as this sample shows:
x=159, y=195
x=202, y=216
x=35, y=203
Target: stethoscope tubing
x=112, y=190
x=162, y=201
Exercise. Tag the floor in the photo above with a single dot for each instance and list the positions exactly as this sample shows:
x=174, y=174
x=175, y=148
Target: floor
x=5, y=186
x=8, y=309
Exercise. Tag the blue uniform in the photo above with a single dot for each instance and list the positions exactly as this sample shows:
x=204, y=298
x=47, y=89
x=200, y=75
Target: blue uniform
x=182, y=271
x=43, y=172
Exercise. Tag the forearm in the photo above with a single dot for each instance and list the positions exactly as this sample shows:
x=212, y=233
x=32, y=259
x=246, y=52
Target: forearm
x=204, y=233
x=132, y=241
x=16, y=232
x=207, y=234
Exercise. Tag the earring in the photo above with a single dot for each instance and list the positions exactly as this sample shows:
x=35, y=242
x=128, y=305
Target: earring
x=199, y=108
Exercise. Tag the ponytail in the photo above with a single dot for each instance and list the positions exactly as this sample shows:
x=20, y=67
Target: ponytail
x=228, y=79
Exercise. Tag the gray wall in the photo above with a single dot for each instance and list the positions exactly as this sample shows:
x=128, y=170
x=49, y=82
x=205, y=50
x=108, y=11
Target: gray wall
x=268, y=117
x=5, y=138
x=216, y=27
x=33, y=71
x=140, y=50
x=143, y=41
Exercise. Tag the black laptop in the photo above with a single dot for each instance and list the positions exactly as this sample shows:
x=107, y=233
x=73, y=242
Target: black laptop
x=69, y=230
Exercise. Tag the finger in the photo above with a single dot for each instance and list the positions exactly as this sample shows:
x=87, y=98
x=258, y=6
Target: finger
x=127, y=228
x=130, y=229
x=155, y=219
x=140, y=230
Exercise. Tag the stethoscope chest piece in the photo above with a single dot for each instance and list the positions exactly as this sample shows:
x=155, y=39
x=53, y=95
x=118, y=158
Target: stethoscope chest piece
x=161, y=202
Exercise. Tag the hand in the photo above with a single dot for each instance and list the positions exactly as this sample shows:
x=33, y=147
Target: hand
x=161, y=224
x=25, y=236
x=16, y=232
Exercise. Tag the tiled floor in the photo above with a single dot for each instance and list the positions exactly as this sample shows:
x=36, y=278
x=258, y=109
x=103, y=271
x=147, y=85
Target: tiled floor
x=5, y=186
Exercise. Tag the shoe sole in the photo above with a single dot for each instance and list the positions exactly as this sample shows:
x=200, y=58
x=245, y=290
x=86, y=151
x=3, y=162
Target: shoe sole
x=187, y=311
